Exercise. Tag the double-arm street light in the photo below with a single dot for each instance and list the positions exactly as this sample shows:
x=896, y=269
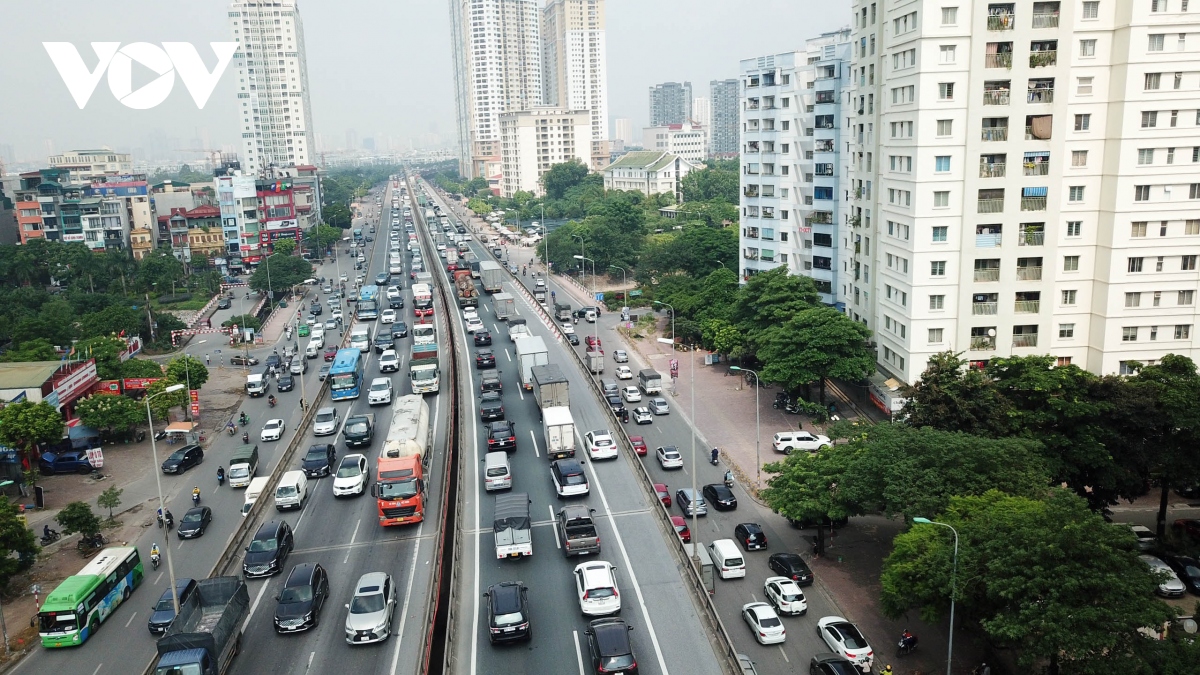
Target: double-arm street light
x=757, y=421
x=158, y=479
x=953, y=586
x=596, y=322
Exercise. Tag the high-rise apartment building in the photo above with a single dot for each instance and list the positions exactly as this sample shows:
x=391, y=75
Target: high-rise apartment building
x=723, y=129
x=1022, y=180
x=574, y=65
x=623, y=130
x=792, y=183
x=702, y=111
x=87, y=165
x=670, y=103
x=272, y=88
x=526, y=154
x=688, y=140
x=498, y=68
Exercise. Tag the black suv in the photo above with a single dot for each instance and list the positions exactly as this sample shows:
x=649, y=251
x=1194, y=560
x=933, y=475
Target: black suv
x=302, y=598
x=750, y=536
x=721, y=497
x=183, y=459
x=485, y=358
x=508, y=612
x=609, y=648
x=482, y=338
x=399, y=330
x=285, y=382
x=501, y=436
x=396, y=303
x=319, y=460
x=490, y=381
x=268, y=550
x=491, y=406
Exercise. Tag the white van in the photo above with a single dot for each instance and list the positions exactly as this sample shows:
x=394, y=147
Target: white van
x=257, y=485
x=257, y=385
x=292, y=491
x=728, y=559
x=497, y=473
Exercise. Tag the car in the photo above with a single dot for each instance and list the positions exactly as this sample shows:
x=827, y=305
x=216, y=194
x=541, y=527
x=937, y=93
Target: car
x=336, y=314
x=596, y=588
x=764, y=623
x=681, y=529
x=491, y=406
x=272, y=430
x=369, y=239
x=239, y=360
x=658, y=406
x=720, y=496
x=616, y=405
x=1187, y=526
x=664, y=494
x=826, y=663
x=274, y=361
x=620, y=356
x=844, y=637
x=319, y=459
x=639, y=445
x=393, y=292
x=689, y=501
x=330, y=352
x=482, y=338
x=786, y=441
x=268, y=550
x=474, y=324
x=382, y=278
x=1169, y=585
x=508, y=612
x=297, y=365
x=315, y=309
x=323, y=372
x=792, y=566
x=383, y=341
x=631, y=394
x=326, y=422
x=641, y=415
x=669, y=457
x=470, y=313
x=303, y=330
x=490, y=381
x=1187, y=569
x=286, y=382
x=370, y=609
x=388, y=316
x=380, y=391
x=573, y=339
x=539, y=283
x=501, y=435
x=568, y=328
x=568, y=478
x=162, y=615
x=194, y=522
x=224, y=303
x=352, y=476
x=389, y=361
x=485, y=358
x=592, y=341
x=624, y=373
x=1146, y=539
x=302, y=598
x=608, y=647
x=331, y=325
x=179, y=461
x=601, y=444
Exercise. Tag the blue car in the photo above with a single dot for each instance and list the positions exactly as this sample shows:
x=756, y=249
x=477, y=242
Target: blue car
x=67, y=461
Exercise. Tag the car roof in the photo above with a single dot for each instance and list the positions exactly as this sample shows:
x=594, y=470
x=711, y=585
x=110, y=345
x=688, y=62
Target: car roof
x=506, y=597
x=353, y=458
x=612, y=636
x=327, y=409
x=595, y=573
x=377, y=380
x=301, y=575
x=269, y=529
x=568, y=466
x=749, y=527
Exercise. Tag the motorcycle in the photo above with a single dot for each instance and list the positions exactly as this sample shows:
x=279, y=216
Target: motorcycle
x=154, y=560
x=244, y=419
x=907, y=644
x=245, y=438
x=271, y=402
x=714, y=458
x=792, y=408
x=729, y=479
x=231, y=428
x=195, y=499
x=53, y=537
x=169, y=520
x=220, y=477
x=160, y=519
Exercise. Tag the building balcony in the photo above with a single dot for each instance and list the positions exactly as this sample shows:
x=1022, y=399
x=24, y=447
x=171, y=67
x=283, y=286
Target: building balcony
x=991, y=205
x=750, y=255
x=988, y=240
x=1001, y=21
x=1031, y=239
x=992, y=169
x=1043, y=58
x=996, y=96
x=987, y=274
x=989, y=134
x=1033, y=203
x=984, y=308
x=983, y=343
x=821, y=217
x=1027, y=306
x=1025, y=340
x=1000, y=60
x=1045, y=20
x=1029, y=273
x=750, y=193
x=1040, y=95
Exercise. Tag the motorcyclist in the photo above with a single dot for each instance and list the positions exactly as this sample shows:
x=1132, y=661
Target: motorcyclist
x=907, y=640
x=246, y=437
x=220, y=475
x=195, y=491
x=231, y=428
x=715, y=454
x=271, y=400
x=243, y=419
x=47, y=532
x=154, y=550
x=170, y=520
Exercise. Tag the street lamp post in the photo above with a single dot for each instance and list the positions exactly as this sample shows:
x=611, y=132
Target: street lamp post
x=695, y=466
x=624, y=280
x=596, y=323
x=953, y=586
x=757, y=421
x=158, y=480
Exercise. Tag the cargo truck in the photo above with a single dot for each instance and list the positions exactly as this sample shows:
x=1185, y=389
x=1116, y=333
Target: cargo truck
x=206, y=635
x=559, y=428
x=517, y=329
x=531, y=351
x=650, y=381
x=550, y=386
x=562, y=311
x=512, y=526
x=539, y=295
x=360, y=337
x=243, y=464
x=491, y=275
x=474, y=265
x=595, y=361
x=399, y=488
x=423, y=369
x=464, y=289
x=504, y=306
x=359, y=430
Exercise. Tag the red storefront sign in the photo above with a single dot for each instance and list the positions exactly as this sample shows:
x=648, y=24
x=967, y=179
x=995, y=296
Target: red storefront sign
x=195, y=395
x=139, y=382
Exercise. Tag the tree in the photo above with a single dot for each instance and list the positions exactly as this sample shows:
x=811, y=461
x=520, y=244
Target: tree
x=814, y=345
x=337, y=215
x=479, y=206
x=38, y=349
x=18, y=544
x=113, y=320
x=323, y=237
x=285, y=272
x=26, y=424
x=562, y=177
x=141, y=368
x=722, y=337
x=187, y=370
x=106, y=349
x=110, y=499
x=159, y=271
x=161, y=406
x=78, y=517
x=717, y=180
x=242, y=321
x=951, y=397
x=771, y=298
x=1047, y=577
x=1174, y=387
x=285, y=247
x=110, y=413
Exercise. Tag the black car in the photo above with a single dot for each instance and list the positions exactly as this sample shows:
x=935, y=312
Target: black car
x=319, y=460
x=750, y=536
x=617, y=405
x=721, y=497
x=484, y=358
x=224, y=303
x=1187, y=569
x=369, y=239
x=399, y=330
x=396, y=303
x=573, y=339
x=508, y=612
x=491, y=406
x=460, y=229
x=482, y=338
x=381, y=279
x=792, y=566
x=315, y=309
x=828, y=663
x=501, y=435
x=194, y=522
x=268, y=550
x=183, y=459
x=240, y=360
x=301, y=599
x=609, y=648
x=383, y=341
x=490, y=382
x=285, y=382
x=163, y=613
x=274, y=361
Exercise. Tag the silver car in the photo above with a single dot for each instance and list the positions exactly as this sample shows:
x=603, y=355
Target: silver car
x=371, y=609
x=326, y=422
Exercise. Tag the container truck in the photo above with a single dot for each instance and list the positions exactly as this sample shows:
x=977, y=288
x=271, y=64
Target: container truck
x=423, y=369
x=650, y=381
x=550, y=386
x=531, y=351
x=512, y=526
x=492, y=276
x=205, y=636
x=559, y=428
x=464, y=289
x=595, y=361
x=399, y=488
x=504, y=305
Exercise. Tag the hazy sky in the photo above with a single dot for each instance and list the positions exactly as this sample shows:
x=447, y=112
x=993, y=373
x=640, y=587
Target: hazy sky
x=374, y=66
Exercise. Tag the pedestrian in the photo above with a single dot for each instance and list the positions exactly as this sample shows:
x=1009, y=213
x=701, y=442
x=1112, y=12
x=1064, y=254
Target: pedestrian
x=207, y=360
x=303, y=405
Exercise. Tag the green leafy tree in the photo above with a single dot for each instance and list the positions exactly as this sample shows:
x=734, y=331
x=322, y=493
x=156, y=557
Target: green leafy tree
x=141, y=368
x=106, y=349
x=323, y=236
x=717, y=180
x=1174, y=387
x=18, y=544
x=285, y=272
x=722, y=337
x=813, y=346
x=562, y=177
x=110, y=499
x=38, y=349
x=337, y=215
x=110, y=413
x=78, y=517
x=159, y=271
x=26, y=424
x=242, y=321
x=284, y=247
x=952, y=397
x=771, y=298
x=111, y=321
x=161, y=406
x=187, y=370
x=479, y=206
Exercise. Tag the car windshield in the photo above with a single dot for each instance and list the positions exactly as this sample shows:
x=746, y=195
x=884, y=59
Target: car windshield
x=263, y=545
x=316, y=454
x=165, y=604
x=296, y=594
x=367, y=604
x=57, y=622
x=349, y=470
x=379, y=386
x=399, y=490
x=768, y=621
x=192, y=517
x=852, y=638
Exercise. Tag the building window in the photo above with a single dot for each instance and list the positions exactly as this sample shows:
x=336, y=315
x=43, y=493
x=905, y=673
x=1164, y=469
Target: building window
x=1152, y=81
x=940, y=233
x=1138, y=229
x=937, y=268
x=937, y=302
x=1066, y=330
x=1188, y=263
x=1129, y=334
x=1183, y=331
x=1083, y=86
x=935, y=336
x=945, y=128
x=1145, y=156
x=947, y=53
x=1079, y=157
x=1149, y=119
x=1134, y=265
x=949, y=16
x=1194, y=191
x=1075, y=193
x=1087, y=48
x=1133, y=299
x=1091, y=9
x=942, y=163
x=1156, y=43
x=1191, y=227
x=1083, y=122
x=941, y=199
x=1141, y=193
x=946, y=91
x=1158, y=5
x=1068, y=298
x=1186, y=298
x=1071, y=263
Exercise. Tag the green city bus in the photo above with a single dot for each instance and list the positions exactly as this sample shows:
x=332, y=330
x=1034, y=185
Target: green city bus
x=74, y=611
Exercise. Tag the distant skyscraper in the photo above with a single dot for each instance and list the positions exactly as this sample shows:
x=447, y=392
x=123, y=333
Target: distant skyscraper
x=574, y=70
x=351, y=139
x=273, y=93
x=623, y=129
x=723, y=130
x=497, y=68
x=702, y=110
x=670, y=103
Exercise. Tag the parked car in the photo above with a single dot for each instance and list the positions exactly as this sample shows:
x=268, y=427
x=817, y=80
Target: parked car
x=1187, y=569
x=785, y=596
x=1169, y=586
x=844, y=637
x=669, y=457
x=787, y=441
x=792, y=566
x=689, y=501
x=68, y=461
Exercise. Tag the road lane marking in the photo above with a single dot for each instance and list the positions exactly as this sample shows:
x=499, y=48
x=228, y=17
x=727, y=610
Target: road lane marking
x=507, y=354
x=535, y=446
x=412, y=572
x=310, y=660
x=130, y=620
x=97, y=669
x=556, y=544
x=254, y=605
x=784, y=654
x=159, y=578
x=578, y=654
x=352, y=536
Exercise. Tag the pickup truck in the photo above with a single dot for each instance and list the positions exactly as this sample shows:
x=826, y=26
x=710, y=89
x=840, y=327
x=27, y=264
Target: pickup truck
x=577, y=530
x=67, y=461
x=359, y=430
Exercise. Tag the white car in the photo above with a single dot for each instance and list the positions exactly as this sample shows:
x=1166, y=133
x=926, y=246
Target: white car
x=624, y=373
x=388, y=316
x=844, y=638
x=596, y=586
x=600, y=444
x=567, y=327
x=470, y=313
x=336, y=314
x=785, y=595
x=389, y=361
x=380, y=391
x=787, y=441
x=764, y=623
x=631, y=394
x=669, y=457
x=352, y=476
x=326, y=422
x=474, y=324
x=393, y=292
x=272, y=430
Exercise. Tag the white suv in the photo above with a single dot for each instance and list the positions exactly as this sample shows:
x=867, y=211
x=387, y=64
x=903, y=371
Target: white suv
x=380, y=392
x=786, y=441
x=600, y=445
x=389, y=361
x=596, y=585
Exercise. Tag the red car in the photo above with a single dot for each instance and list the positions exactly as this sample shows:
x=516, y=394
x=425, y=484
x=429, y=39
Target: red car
x=681, y=529
x=592, y=341
x=330, y=352
x=639, y=445
x=452, y=267
x=1189, y=526
x=664, y=494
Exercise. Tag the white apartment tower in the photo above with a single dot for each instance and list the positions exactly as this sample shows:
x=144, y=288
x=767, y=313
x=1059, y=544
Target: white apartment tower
x=498, y=69
x=793, y=184
x=1027, y=178
x=574, y=65
x=532, y=141
x=272, y=87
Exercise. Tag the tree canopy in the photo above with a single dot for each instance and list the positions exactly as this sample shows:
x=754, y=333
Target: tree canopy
x=280, y=272
x=25, y=424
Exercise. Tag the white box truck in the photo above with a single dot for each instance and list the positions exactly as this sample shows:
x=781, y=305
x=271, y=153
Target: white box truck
x=360, y=337
x=531, y=351
x=559, y=428
x=504, y=305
